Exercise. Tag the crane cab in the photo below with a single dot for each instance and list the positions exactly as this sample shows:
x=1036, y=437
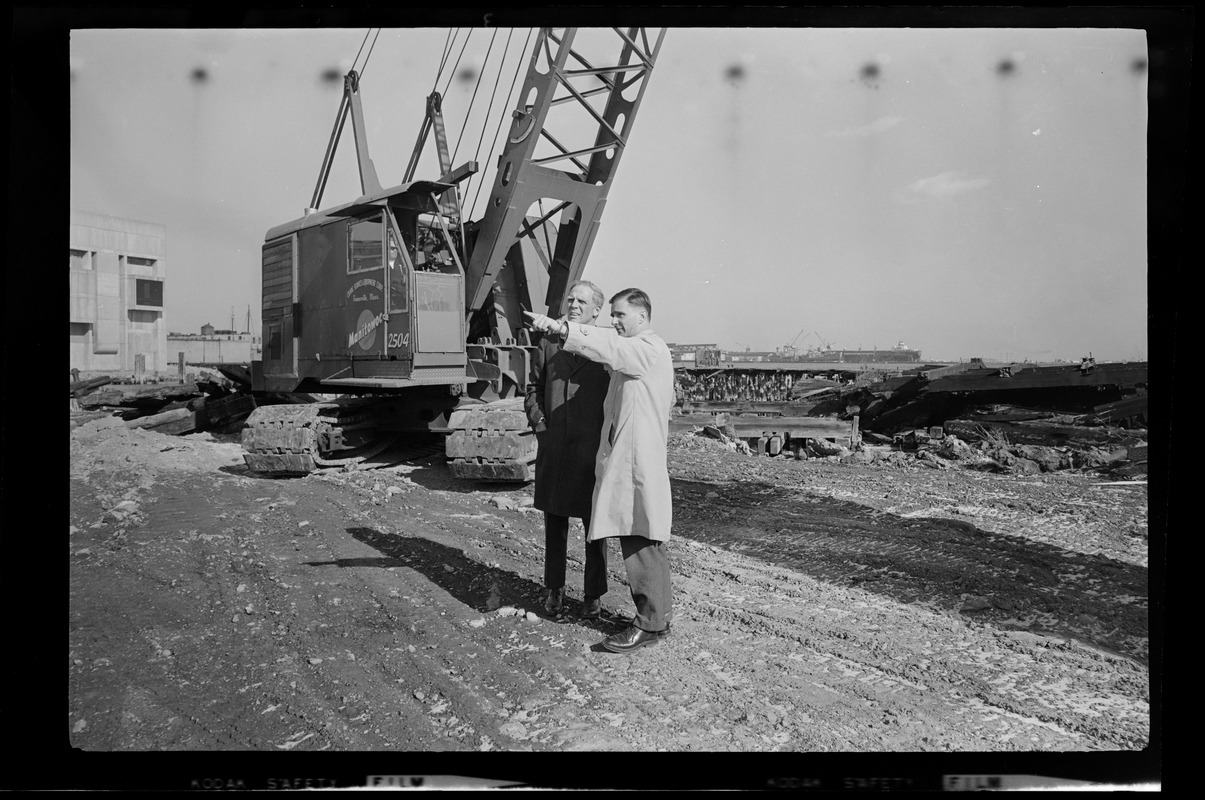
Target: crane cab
x=365, y=296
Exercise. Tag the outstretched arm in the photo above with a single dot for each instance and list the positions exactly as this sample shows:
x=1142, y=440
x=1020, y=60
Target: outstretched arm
x=633, y=356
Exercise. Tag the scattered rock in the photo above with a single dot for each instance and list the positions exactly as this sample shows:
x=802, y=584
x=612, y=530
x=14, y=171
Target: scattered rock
x=122, y=510
x=821, y=448
x=515, y=730
x=975, y=603
x=1048, y=459
x=1004, y=604
x=532, y=616
x=477, y=623
x=931, y=459
x=955, y=449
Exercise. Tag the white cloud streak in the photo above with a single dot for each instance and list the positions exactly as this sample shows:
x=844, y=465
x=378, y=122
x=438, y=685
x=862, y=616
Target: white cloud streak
x=880, y=125
x=946, y=184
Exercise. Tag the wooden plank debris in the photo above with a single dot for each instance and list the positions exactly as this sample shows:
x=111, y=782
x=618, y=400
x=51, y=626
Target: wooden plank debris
x=1030, y=433
x=1118, y=410
x=176, y=421
x=81, y=388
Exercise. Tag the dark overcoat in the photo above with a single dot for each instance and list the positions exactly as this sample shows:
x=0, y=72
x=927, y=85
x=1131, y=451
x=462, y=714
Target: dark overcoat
x=564, y=405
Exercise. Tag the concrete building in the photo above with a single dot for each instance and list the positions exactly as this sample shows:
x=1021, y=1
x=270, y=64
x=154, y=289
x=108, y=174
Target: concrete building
x=116, y=285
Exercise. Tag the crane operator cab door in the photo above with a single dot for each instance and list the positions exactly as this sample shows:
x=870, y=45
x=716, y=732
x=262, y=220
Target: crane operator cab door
x=437, y=301
x=366, y=299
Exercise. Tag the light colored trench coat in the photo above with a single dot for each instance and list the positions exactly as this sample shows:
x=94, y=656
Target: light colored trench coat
x=631, y=476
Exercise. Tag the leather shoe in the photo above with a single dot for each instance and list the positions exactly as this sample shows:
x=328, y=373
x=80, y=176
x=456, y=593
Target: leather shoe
x=591, y=608
x=554, y=601
x=629, y=639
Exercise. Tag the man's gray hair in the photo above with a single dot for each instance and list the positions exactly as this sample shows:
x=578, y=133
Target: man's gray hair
x=596, y=294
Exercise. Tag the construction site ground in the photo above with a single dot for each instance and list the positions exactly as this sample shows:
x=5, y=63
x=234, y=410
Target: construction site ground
x=820, y=606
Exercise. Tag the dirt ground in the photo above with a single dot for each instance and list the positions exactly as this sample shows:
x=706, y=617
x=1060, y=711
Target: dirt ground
x=820, y=607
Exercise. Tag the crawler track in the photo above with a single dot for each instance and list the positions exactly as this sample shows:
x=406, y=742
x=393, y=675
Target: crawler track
x=298, y=439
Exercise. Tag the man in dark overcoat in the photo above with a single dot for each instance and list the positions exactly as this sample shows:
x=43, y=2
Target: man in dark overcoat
x=564, y=404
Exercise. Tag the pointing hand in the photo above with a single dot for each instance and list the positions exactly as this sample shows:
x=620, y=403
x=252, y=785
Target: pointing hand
x=546, y=324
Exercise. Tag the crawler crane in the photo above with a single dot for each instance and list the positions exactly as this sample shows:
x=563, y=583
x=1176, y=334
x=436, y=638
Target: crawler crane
x=429, y=336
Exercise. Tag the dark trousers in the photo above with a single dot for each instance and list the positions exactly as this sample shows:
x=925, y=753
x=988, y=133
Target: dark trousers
x=556, y=543
x=647, y=564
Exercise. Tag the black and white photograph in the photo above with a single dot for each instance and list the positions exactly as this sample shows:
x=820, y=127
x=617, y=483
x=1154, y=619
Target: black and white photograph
x=773, y=386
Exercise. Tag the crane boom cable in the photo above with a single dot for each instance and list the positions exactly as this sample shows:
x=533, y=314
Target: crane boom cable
x=449, y=42
x=493, y=95
x=368, y=55
x=457, y=64
x=468, y=112
x=509, y=95
x=356, y=60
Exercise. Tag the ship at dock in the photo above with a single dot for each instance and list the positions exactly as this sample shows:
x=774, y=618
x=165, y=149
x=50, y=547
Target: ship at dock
x=900, y=354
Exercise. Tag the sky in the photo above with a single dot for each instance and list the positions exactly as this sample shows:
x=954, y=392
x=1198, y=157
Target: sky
x=971, y=192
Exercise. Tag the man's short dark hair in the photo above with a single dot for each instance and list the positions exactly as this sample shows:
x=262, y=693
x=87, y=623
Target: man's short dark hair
x=635, y=297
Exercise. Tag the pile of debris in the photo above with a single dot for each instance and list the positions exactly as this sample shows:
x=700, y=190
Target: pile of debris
x=1113, y=452
x=218, y=401
x=1084, y=393
x=1018, y=418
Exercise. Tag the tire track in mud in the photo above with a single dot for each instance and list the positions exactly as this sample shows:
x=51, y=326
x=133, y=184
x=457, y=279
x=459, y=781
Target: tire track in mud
x=940, y=562
x=1012, y=676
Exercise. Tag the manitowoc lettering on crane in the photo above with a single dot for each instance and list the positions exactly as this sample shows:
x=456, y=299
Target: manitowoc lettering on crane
x=365, y=329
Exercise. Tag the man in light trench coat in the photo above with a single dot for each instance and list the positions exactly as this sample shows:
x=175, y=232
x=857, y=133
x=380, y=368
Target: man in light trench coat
x=564, y=403
x=631, y=488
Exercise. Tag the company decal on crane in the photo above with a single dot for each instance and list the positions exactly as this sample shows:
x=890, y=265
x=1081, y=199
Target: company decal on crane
x=360, y=284
x=366, y=330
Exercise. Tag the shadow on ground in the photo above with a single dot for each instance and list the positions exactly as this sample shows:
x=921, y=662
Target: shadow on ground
x=479, y=586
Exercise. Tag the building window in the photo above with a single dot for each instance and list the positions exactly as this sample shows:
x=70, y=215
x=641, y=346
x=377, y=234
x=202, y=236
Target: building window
x=148, y=293
x=365, y=245
x=140, y=262
x=81, y=259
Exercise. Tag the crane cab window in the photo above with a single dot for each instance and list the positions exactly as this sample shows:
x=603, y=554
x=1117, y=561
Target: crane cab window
x=397, y=275
x=365, y=245
x=431, y=251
